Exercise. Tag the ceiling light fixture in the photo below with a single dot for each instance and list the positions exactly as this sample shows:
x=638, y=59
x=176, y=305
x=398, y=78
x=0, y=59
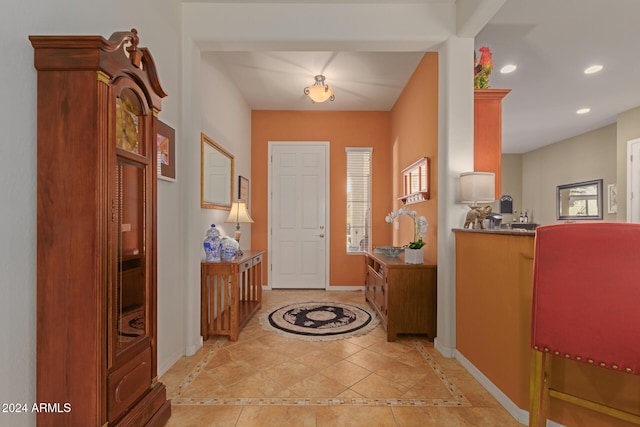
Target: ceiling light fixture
x=320, y=91
x=593, y=69
x=509, y=68
x=583, y=111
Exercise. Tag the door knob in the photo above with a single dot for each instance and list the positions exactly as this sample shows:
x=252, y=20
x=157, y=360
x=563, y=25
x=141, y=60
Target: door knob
x=320, y=235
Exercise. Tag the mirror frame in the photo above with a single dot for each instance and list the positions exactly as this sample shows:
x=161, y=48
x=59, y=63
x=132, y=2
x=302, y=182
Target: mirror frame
x=207, y=142
x=559, y=188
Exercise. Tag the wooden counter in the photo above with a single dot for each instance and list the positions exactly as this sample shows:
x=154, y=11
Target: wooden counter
x=493, y=306
x=494, y=278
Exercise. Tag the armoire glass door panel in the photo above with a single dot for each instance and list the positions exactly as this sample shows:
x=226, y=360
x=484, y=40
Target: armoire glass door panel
x=131, y=280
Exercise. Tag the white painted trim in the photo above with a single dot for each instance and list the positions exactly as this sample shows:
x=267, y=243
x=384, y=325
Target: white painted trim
x=520, y=415
x=345, y=288
x=630, y=145
x=444, y=350
x=190, y=350
x=168, y=363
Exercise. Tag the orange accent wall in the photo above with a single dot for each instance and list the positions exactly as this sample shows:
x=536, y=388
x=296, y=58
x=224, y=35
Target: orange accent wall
x=398, y=137
x=414, y=134
x=342, y=129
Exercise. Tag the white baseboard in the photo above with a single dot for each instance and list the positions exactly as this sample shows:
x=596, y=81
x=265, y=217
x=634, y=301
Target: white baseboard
x=520, y=415
x=162, y=369
x=345, y=288
x=444, y=350
x=190, y=350
x=330, y=288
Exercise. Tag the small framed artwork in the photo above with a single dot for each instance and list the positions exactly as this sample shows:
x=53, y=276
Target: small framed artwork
x=243, y=190
x=612, y=205
x=166, y=151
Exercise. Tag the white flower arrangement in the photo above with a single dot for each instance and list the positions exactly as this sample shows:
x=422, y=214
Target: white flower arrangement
x=420, y=225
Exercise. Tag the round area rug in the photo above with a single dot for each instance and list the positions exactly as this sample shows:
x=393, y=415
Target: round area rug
x=320, y=321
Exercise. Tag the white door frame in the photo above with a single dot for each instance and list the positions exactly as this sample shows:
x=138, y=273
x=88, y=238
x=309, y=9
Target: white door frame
x=634, y=143
x=327, y=238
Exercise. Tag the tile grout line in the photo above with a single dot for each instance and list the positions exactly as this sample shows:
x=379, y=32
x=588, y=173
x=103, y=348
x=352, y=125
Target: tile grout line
x=198, y=368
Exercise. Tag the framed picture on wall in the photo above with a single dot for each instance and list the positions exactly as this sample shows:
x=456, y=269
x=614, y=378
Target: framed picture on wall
x=612, y=199
x=166, y=151
x=243, y=190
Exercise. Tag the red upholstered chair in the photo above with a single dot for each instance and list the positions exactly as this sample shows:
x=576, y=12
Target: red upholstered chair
x=586, y=306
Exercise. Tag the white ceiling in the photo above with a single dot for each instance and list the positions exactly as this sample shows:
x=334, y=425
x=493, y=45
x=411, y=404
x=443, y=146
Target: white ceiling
x=551, y=41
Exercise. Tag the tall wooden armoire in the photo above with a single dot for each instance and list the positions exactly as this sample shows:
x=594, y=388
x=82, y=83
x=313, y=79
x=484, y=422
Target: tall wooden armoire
x=96, y=235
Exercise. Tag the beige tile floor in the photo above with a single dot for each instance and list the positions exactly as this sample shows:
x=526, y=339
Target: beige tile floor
x=265, y=379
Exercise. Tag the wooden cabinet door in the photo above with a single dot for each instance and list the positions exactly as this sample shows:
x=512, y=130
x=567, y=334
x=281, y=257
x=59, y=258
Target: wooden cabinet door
x=131, y=366
x=381, y=293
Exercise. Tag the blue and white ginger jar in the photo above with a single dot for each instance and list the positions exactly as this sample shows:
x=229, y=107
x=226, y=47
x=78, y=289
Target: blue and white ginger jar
x=229, y=248
x=213, y=244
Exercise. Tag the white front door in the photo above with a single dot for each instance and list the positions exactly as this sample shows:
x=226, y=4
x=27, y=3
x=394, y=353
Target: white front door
x=633, y=181
x=298, y=239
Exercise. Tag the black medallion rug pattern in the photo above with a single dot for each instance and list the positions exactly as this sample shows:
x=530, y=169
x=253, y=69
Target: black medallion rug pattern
x=320, y=321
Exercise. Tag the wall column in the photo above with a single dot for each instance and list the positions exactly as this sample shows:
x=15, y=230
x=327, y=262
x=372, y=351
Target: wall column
x=455, y=155
x=190, y=189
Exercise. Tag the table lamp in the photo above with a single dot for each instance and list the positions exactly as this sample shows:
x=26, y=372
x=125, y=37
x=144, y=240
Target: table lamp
x=476, y=188
x=238, y=214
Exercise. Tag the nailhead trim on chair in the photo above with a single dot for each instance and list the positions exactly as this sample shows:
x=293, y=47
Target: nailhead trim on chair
x=579, y=359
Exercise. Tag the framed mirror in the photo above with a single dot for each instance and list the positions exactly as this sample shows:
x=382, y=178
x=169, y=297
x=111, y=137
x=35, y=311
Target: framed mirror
x=582, y=200
x=216, y=175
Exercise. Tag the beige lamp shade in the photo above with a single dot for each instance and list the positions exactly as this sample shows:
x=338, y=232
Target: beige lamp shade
x=477, y=187
x=239, y=213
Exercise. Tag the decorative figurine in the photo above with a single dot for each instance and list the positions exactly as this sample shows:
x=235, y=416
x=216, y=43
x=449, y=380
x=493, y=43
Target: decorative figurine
x=482, y=69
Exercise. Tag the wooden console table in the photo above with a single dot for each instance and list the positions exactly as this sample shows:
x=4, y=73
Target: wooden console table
x=404, y=295
x=230, y=293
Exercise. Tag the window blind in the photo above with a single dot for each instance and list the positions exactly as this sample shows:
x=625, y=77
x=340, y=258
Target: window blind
x=358, y=199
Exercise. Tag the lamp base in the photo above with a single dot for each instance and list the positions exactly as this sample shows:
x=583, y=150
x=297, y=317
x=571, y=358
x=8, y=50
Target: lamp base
x=237, y=237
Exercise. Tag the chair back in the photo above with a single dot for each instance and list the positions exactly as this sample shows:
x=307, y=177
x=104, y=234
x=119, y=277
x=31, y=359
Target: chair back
x=586, y=293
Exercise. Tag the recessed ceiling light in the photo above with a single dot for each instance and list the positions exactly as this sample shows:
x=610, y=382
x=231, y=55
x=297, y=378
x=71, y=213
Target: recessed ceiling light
x=593, y=69
x=583, y=111
x=509, y=68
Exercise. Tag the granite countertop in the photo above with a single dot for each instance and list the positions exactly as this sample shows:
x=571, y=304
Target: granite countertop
x=507, y=231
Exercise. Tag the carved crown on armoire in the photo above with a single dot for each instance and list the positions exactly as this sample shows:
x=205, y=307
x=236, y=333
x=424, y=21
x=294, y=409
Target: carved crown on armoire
x=97, y=106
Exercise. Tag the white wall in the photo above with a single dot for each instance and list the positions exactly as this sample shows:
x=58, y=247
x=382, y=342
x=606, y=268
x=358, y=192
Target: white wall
x=582, y=158
x=511, y=183
x=601, y=151
x=628, y=128
x=226, y=118
x=158, y=26
x=211, y=105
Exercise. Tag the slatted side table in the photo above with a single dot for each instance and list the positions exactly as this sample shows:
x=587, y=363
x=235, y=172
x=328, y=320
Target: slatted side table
x=230, y=293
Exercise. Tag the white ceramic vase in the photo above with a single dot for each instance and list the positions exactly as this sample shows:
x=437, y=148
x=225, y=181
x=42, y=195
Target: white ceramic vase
x=413, y=256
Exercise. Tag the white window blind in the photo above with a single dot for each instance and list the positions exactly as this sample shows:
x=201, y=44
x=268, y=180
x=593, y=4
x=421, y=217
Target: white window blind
x=358, y=199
